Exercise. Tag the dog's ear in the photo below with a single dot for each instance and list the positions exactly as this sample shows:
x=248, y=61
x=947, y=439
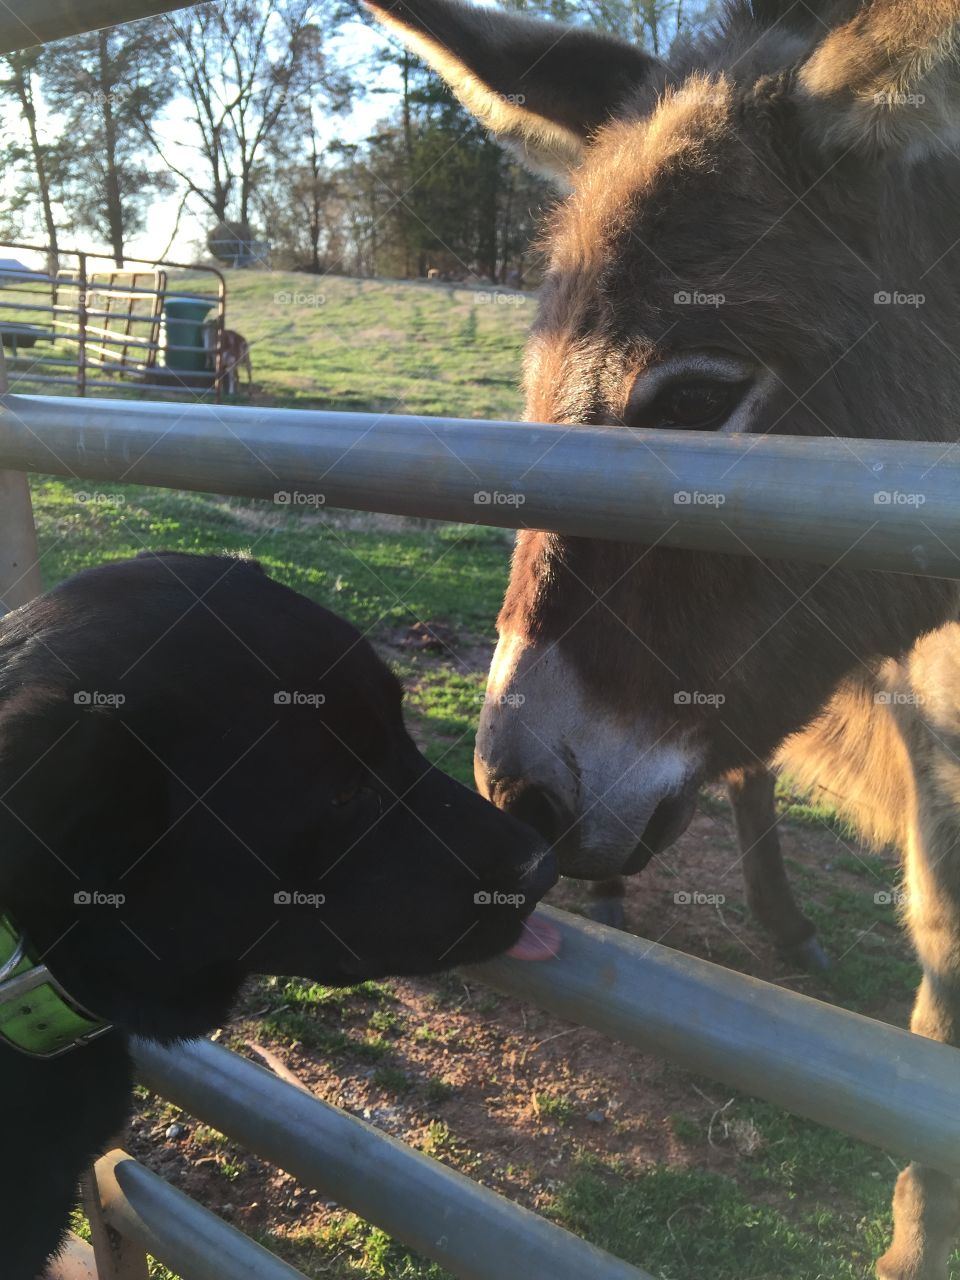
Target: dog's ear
x=886, y=82
x=543, y=89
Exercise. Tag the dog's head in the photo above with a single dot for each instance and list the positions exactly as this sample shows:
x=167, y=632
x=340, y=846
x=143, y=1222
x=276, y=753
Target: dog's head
x=204, y=774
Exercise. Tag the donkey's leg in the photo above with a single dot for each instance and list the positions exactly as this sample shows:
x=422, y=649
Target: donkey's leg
x=606, y=902
x=769, y=895
x=926, y=1203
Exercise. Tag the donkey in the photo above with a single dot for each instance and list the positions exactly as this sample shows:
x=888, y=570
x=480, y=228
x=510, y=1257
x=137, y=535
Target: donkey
x=743, y=244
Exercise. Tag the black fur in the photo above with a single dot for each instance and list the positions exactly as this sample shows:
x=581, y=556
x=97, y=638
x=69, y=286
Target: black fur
x=198, y=798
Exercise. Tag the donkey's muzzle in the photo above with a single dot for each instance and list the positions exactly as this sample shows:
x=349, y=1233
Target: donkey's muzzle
x=668, y=822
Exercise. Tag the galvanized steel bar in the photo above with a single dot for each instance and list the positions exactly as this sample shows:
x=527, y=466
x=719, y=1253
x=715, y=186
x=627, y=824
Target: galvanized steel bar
x=870, y=504
x=176, y=1230
x=471, y=1231
x=880, y=1084
x=19, y=557
x=24, y=23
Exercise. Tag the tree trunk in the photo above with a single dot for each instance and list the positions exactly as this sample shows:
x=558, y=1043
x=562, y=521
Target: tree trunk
x=114, y=204
x=24, y=88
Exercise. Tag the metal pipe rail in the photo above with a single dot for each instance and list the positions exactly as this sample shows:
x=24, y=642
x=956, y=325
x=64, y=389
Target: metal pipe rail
x=882, y=1085
x=24, y=23
x=473, y=1232
x=870, y=504
x=172, y=1227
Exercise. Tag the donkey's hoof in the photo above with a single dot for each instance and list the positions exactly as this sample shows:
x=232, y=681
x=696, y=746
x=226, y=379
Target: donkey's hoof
x=809, y=955
x=608, y=911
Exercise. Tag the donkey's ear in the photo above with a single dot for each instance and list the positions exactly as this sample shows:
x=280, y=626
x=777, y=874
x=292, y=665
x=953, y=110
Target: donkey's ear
x=888, y=81
x=540, y=87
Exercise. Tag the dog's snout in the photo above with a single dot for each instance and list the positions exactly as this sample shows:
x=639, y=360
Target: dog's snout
x=539, y=876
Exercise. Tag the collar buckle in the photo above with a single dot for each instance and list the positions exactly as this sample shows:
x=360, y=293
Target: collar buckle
x=37, y=1016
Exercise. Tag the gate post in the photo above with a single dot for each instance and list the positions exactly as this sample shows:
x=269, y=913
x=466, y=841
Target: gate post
x=19, y=559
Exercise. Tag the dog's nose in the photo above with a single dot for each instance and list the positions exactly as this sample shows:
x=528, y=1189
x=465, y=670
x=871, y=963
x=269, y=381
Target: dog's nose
x=539, y=876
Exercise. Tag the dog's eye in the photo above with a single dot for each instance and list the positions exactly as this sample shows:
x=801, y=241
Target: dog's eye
x=694, y=406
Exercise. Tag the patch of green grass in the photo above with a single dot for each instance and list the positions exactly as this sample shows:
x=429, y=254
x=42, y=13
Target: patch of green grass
x=436, y=1090
x=556, y=1107
x=378, y=345
x=392, y=1079
x=349, y=1249
x=385, y=1022
x=810, y=810
x=686, y=1224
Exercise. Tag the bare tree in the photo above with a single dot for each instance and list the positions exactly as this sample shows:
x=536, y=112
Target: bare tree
x=37, y=163
x=238, y=65
x=104, y=85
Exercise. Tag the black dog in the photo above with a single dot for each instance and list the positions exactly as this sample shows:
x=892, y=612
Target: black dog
x=204, y=775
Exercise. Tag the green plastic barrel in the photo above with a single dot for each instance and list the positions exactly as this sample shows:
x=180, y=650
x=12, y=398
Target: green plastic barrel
x=183, y=321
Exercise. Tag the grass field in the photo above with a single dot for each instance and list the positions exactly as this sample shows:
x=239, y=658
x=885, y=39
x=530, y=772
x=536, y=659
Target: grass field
x=751, y=1195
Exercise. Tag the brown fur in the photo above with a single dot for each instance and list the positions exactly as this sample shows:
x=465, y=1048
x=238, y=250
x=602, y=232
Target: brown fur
x=797, y=161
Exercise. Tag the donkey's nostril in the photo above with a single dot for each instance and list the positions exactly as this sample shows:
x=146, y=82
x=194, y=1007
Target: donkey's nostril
x=535, y=807
x=668, y=821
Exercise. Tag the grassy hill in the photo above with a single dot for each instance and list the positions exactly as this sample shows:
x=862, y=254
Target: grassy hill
x=380, y=345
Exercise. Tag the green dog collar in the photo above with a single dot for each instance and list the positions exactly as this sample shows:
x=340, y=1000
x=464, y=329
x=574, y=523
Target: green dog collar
x=36, y=1015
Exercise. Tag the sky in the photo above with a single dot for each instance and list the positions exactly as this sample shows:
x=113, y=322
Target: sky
x=357, y=42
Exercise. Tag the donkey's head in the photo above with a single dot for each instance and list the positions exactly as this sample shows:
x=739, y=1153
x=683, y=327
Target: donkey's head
x=757, y=238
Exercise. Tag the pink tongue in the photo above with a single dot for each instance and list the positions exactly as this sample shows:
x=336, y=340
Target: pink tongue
x=540, y=940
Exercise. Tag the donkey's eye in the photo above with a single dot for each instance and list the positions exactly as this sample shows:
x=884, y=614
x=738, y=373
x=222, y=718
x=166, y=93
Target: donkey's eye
x=697, y=406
